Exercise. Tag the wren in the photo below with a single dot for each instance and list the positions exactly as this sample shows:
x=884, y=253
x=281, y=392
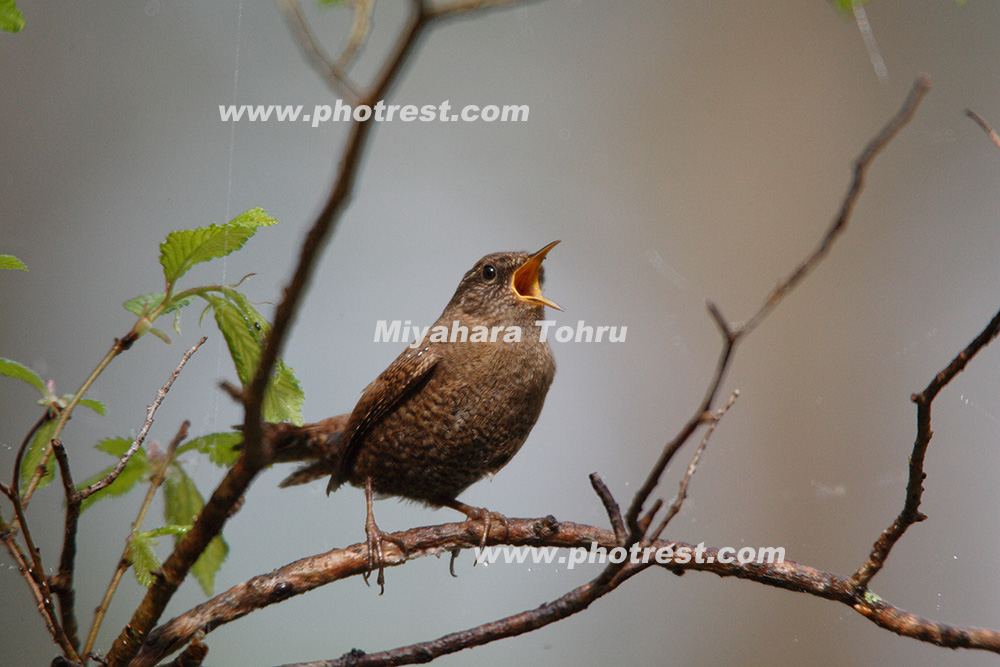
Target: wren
x=447, y=412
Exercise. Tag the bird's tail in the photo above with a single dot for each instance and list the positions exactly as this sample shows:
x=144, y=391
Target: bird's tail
x=317, y=445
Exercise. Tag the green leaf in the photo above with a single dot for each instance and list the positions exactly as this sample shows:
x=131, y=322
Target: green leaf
x=141, y=306
x=209, y=564
x=161, y=334
x=283, y=397
x=94, y=405
x=135, y=470
x=12, y=369
x=36, y=451
x=220, y=447
x=166, y=530
x=183, y=503
x=243, y=336
x=140, y=549
x=11, y=20
x=244, y=330
x=9, y=261
x=183, y=249
x=181, y=496
x=144, y=560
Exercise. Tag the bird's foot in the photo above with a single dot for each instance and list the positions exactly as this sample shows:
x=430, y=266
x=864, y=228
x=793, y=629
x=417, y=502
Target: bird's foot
x=375, y=537
x=480, y=514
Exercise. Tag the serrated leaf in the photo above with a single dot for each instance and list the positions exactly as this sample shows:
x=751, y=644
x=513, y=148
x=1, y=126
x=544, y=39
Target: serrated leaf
x=36, y=451
x=13, y=369
x=220, y=447
x=245, y=329
x=142, y=305
x=243, y=336
x=133, y=473
x=9, y=261
x=182, y=504
x=181, y=496
x=94, y=405
x=144, y=560
x=183, y=249
x=283, y=397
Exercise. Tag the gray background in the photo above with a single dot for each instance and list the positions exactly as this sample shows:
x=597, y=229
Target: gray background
x=682, y=151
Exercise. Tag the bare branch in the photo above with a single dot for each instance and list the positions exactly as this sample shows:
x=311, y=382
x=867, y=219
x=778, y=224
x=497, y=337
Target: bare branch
x=331, y=72
x=315, y=571
x=910, y=514
x=874, y=147
x=731, y=337
x=108, y=479
x=610, y=506
x=994, y=137
x=360, y=29
x=675, y=506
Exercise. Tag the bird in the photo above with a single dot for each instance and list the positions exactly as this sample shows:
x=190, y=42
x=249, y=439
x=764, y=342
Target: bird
x=451, y=409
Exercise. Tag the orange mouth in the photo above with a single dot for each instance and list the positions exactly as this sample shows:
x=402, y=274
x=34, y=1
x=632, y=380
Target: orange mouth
x=525, y=280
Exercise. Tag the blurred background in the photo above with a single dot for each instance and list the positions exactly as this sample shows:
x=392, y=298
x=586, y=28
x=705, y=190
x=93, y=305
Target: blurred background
x=682, y=152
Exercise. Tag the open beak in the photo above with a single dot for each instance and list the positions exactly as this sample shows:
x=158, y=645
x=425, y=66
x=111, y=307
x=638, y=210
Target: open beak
x=525, y=281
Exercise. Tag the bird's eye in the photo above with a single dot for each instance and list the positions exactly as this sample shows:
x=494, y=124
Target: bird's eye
x=489, y=273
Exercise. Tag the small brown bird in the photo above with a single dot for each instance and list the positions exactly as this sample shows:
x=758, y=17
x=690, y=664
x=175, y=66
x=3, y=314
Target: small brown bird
x=451, y=409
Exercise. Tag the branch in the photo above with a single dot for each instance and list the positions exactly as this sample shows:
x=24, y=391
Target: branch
x=62, y=583
x=331, y=72
x=675, y=506
x=731, y=337
x=35, y=570
x=874, y=147
x=315, y=571
x=610, y=506
x=108, y=479
x=994, y=137
x=910, y=513
x=124, y=561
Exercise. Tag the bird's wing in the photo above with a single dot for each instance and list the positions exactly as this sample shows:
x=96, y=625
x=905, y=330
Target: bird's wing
x=396, y=382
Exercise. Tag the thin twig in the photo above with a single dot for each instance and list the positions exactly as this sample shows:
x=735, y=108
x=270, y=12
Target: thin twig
x=910, y=514
x=675, y=506
x=108, y=479
x=120, y=345
x=7, y=536
x=331, y=72
x=610, y=506
x=874, y=147
x=360, y=29
x=994, y=137
x=732, y=337
x=125, y=560
x=35, y=568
